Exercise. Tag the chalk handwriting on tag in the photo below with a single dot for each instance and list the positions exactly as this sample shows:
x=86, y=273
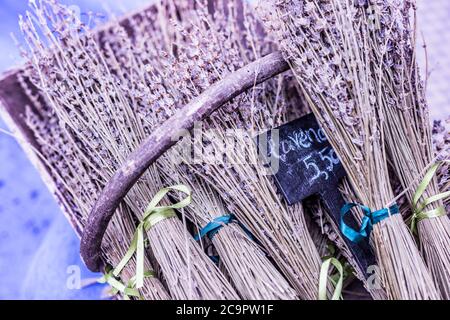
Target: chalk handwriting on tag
x=308, y=165
x=307, y=162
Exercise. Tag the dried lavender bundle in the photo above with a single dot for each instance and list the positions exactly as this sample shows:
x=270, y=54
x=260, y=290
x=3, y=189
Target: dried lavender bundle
x=281, y=229
x=254, y=277
x=80, y=183
x=407, y=126
x=94, y=98
x=329, y=45
x=246, y=263
x=70, y=170
x=218, y=47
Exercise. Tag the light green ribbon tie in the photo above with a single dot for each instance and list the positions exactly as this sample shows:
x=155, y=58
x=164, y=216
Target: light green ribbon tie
x=153, y=215
x=323, y=279
x=418, y=208
x=129, y=290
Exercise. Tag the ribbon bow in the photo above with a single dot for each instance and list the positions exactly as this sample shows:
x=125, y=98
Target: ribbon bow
x=418, y=208
x=153, y=215
x=369, y=220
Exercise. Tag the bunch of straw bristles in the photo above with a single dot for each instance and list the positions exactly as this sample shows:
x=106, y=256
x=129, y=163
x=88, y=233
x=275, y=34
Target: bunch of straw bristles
x=100, y=93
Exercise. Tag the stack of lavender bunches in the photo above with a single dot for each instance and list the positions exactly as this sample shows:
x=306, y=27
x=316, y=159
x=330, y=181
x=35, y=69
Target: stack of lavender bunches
x=97, y=92
x=355, y=62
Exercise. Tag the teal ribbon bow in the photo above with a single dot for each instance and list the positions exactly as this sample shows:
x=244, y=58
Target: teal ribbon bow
x=218, y=223
x=369, y=220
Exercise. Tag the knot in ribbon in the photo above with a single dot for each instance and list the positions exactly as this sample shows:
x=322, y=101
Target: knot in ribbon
x=418, y=208
x=218, y=223
x=152, y=215
x=118, y=286
x=369, y=220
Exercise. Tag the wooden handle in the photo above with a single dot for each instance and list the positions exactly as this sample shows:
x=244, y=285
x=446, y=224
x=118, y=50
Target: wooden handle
x=161, y=140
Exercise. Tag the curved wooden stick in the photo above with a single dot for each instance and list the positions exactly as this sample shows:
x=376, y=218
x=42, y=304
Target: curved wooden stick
x=161, y=140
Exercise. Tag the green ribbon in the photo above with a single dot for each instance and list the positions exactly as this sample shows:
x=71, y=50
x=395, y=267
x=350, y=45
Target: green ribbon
x=418, y=208
x=128, y=290
x=152, y=215
x=324, y=277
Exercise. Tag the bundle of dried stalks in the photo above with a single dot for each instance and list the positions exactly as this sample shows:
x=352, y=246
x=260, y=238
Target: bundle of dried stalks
x=95, y=88
x=73, y=171
x=246, y=263
x=218, y=49
x=329, y=45
x=401, y=94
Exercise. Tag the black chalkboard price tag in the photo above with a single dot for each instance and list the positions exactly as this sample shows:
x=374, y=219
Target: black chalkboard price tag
x=304, y=164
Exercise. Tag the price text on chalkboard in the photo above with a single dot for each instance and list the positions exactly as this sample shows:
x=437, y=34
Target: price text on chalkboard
x=307, y=162
x=308, y=165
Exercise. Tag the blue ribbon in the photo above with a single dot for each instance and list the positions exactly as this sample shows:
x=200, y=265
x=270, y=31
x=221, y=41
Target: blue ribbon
x=218, y=223
x=369, y=220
